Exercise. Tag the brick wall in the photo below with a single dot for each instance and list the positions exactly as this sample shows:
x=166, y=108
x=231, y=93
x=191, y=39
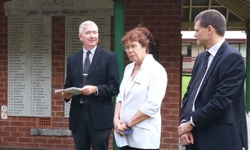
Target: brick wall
x=4, y=125
x=162, y=17
x=15, y=131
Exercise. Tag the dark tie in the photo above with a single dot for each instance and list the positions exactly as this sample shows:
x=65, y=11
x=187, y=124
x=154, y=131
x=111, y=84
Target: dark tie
x=197, y=82
x=86, y=64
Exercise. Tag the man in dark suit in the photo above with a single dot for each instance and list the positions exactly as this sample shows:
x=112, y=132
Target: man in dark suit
x=96, y=73
x=217, y=119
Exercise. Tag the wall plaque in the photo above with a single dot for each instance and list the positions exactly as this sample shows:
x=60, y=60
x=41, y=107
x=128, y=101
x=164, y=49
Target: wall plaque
x=29, y=66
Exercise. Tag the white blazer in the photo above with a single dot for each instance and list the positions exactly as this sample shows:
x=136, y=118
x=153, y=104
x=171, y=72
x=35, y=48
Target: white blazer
x=145, y=93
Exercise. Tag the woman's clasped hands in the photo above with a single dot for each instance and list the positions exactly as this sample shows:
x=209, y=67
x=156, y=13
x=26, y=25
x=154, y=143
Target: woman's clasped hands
x=120, y=127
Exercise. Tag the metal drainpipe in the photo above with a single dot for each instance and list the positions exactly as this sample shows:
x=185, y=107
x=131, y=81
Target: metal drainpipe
x=118, y=34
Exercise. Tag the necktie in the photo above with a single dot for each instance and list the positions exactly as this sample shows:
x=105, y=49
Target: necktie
x=197, y=82
x=86, y=64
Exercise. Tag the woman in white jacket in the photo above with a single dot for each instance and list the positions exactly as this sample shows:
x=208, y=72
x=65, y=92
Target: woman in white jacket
x=137, y=120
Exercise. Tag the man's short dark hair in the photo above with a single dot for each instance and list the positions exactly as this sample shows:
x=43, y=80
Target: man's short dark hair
x=214, y=18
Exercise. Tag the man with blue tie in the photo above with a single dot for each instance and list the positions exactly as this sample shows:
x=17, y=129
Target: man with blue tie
x=95, y=71
x=213, y=113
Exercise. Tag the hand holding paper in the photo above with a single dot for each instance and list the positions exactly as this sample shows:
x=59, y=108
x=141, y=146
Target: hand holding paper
x=73, y=90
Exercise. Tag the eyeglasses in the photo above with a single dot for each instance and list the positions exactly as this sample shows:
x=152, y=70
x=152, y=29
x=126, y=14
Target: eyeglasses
x=132, y=47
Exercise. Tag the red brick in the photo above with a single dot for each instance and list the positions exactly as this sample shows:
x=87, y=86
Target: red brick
x=10, y=140
x=55, y=141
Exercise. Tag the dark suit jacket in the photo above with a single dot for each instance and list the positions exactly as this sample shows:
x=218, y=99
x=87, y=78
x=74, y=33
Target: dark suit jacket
x=219, y=115
x=103, y=73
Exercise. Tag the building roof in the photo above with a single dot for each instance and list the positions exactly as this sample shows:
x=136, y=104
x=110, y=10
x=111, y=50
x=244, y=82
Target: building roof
x=228, y=35
x=236, y=12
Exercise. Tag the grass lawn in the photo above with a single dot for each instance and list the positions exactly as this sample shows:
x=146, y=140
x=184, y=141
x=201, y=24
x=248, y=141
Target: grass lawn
x=185, y=81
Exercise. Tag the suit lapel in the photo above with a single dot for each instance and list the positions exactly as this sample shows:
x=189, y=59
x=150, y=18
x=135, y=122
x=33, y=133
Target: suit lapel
x=96, y=59
x=213, y=63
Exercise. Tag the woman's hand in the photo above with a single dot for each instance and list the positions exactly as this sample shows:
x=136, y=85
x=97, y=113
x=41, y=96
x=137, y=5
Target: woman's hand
x=118, y=126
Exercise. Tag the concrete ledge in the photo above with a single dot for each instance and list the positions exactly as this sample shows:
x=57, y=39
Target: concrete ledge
x=50, y=132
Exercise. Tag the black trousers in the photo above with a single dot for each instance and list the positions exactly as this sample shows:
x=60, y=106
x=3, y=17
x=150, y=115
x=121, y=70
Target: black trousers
x=131, y=148
x=86, y=136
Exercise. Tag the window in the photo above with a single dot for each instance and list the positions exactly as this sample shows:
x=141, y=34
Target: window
x=243, y=50
x=186, y=49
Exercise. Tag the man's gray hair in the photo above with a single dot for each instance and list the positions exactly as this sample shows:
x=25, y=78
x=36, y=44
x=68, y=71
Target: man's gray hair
x=88, y=22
